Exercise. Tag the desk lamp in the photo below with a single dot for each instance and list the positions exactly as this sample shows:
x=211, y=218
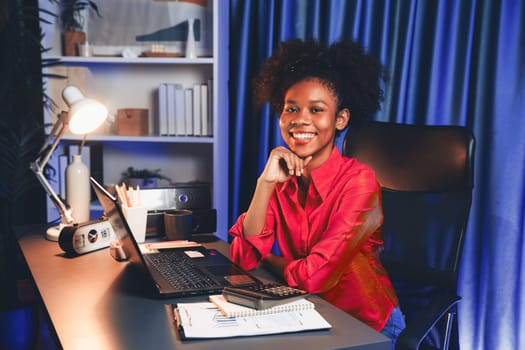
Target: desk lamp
x=84, y=116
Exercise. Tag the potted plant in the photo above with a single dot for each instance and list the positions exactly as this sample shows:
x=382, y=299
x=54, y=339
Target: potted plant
x=72, y=18
x=144, y=178
x=22, y=201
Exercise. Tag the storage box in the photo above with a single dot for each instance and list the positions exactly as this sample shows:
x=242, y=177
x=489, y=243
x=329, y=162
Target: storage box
x=132, y=122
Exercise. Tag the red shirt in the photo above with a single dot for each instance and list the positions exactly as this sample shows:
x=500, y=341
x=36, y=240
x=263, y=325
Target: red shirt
x=333, y=243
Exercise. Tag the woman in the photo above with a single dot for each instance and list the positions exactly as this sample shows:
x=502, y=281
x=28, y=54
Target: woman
x=322, y=209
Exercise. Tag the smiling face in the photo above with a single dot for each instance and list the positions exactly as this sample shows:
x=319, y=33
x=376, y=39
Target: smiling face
x=309, y=120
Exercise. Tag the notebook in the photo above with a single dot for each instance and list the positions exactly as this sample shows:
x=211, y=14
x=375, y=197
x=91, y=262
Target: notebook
x=234, y=310
x=210, y=271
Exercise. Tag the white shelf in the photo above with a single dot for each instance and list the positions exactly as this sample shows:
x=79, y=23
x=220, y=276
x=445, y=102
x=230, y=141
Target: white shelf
x=120, y=82
x=152, y=138
x=138, y=60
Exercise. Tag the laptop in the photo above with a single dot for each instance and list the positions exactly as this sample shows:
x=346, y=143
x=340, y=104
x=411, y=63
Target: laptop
x=209, y=270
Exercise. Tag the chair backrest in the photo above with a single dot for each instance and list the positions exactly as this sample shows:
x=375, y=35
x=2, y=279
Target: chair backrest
x=426, y=175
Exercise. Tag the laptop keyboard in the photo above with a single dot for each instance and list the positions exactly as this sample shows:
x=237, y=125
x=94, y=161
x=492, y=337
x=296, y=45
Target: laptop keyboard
x=179, y=271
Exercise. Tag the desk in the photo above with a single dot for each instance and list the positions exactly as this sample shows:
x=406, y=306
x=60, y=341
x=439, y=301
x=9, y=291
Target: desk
x=93, y=302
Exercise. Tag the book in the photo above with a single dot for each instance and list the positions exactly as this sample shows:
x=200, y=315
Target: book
x=234, y=310
x=63, y=162
x=53, y=177
x=180, y=119
x=210, y=107
x=205, y=320
x=204, y=110
x=163, y=109
x=197, y=118
x=172, y=126
x=188, y=110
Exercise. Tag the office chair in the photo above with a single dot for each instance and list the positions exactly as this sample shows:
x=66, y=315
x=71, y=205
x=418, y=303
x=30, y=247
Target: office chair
x=426, y=176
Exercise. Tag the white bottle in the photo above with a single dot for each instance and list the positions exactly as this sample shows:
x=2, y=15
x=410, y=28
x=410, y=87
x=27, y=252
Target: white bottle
x=190, y=41
x=78, y=192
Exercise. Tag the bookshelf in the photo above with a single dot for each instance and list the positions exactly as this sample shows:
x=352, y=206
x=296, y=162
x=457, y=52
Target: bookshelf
x=121, y=82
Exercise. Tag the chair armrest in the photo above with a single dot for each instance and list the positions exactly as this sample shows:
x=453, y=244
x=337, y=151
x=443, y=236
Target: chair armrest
x=422, y=323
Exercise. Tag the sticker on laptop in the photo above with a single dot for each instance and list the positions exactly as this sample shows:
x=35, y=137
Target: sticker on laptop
x=194, y=254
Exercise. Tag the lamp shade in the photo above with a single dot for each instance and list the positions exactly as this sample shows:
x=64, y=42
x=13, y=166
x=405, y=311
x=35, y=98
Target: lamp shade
x=85, y=115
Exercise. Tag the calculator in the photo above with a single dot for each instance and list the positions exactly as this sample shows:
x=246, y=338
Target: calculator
x=263, y=296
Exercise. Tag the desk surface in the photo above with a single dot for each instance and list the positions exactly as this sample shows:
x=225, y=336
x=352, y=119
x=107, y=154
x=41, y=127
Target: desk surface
x=93, y=302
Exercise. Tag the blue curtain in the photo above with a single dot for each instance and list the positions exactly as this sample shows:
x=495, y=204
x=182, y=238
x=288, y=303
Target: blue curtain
x=458, y=62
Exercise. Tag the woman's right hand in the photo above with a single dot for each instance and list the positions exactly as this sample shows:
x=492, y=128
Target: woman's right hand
x=283, y=164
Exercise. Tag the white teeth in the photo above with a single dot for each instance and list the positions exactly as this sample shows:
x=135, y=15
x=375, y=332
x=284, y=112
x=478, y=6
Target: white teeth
x=303, y=136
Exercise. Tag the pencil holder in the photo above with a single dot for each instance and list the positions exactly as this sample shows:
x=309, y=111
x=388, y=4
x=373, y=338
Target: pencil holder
x=137, y=218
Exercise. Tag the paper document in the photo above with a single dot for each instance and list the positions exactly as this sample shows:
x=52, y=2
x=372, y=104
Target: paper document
x=204, y=320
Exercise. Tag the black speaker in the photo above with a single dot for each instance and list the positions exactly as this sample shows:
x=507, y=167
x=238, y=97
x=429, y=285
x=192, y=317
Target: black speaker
x=179, y=196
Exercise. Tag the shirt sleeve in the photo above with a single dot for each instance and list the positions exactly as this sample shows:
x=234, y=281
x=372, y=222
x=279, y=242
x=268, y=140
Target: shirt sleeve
x=248, y=252
x=355, y=219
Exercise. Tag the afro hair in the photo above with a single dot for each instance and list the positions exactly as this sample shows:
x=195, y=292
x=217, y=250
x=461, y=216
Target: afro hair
x=353, y=76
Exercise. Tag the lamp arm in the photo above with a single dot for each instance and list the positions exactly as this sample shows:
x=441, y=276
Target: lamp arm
x=52, y=134
x=55, y=135
x=38, y=169
x=66, y=216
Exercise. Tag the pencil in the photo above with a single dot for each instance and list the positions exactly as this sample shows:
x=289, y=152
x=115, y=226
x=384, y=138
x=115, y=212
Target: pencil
x=138, y=196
